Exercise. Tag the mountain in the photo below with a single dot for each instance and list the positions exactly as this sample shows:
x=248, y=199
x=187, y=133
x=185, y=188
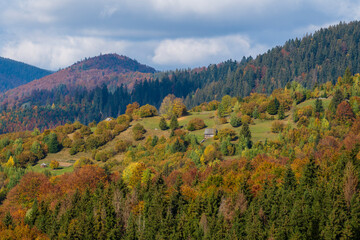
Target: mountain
x=77, y=93
x=14, y=74
x=109, y=69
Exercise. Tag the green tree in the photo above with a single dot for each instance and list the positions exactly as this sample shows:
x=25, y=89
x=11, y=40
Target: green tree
x=163, y=125
x=281, y=112
x=174, y=124
x=52, y=143
x=273, y=106
x=319, y=108
x=246, y=134
x=336, y=100
x=235, y=121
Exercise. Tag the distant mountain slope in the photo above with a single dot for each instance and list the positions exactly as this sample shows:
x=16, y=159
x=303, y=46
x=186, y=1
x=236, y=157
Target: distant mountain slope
x=109, y=69
x=13, y=73
x=316, y=58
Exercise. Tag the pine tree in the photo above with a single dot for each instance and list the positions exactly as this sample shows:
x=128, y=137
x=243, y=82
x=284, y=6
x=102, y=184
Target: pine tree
x=337, y=99
x=8, y=220
x=281, y=112
x=52, y=143
x=163, y=125
x=273, y=106
x=174, y=124
x=319, y=106
x=289, y=179
x=246, y=134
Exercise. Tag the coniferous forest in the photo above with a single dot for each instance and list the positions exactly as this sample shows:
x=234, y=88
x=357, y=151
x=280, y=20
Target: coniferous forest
x=315, y=59
x=264, y=148
x=132, y=180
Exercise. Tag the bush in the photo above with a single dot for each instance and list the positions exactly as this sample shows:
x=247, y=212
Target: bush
x=138, y=132
x=303, y=121
x=78, y=146
x=122, y=145
x=147, y=111
x=277, y=126
x=123, y=119
x=54, y=164
x=226, y=132
x=195, y=124
x=82, y=161
x=104, y=155
x=223, y=120
x=235, y=121
x=119, y=128
x=67, y=142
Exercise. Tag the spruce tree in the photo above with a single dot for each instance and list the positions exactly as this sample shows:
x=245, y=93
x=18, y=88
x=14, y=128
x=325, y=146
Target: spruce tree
x=281, y=112
x=337, y=99
x=246, y=134
x=273, y=106
x=52, y=143
x=174, y=124
x=319, y=108
x=162, y=125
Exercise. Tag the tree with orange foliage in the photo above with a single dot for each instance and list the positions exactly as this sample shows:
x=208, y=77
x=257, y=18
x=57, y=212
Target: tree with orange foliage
x=344, y=113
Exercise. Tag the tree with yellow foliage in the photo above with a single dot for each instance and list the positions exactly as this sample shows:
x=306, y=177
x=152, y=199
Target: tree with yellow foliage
x=10, y=162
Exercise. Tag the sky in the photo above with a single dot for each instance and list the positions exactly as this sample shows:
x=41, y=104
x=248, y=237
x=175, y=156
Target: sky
x=164, y=34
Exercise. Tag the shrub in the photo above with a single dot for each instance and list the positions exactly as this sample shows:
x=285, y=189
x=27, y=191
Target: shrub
x=195, y=124
x=303, y=121
x=82, y=161
x=54, y=164
x=246, y=119
x=77, y=146
x=277, y=126
x=223, y=120
x=138, y=132
x=235, y=121
x=147, y=111
x=122, y=145
x=123, y=119
x=67, y=142
x=226, y=132
x=104, y=155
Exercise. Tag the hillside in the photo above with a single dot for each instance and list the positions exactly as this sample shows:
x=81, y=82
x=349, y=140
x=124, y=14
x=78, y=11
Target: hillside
x=14, y=74
x=109, y=69
x=284, y=166
x=315, y=59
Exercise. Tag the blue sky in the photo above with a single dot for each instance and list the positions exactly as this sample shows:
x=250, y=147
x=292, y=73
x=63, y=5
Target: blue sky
x=165, y=34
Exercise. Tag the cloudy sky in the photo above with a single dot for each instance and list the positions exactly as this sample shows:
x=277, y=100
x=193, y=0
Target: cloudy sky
x=165, y=34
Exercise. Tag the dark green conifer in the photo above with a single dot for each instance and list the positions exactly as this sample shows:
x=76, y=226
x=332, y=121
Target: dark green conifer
x=273, y=106
x=163, y=125
x=281, y=112
x=174, y=124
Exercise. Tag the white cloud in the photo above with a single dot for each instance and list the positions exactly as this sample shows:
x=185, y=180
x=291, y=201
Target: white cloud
x=200, y=50
x=41, y=11
x=59, y=52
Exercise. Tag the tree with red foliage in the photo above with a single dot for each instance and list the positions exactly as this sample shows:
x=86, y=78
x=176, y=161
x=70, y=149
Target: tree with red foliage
x=344, y=112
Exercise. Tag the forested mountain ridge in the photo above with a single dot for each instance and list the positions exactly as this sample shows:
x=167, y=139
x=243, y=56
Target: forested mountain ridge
x=110, y=69
x=316, y=58
x=283, y=166
x=14, y=73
